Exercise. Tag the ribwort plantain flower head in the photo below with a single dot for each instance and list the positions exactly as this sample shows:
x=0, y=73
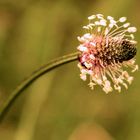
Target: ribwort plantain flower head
x=107, y=47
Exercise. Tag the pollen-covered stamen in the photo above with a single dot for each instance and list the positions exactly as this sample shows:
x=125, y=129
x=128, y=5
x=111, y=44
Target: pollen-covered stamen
x=105, y=48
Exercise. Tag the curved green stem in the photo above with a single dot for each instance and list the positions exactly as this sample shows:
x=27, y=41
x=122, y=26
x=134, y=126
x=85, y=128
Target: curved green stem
x=36, y=74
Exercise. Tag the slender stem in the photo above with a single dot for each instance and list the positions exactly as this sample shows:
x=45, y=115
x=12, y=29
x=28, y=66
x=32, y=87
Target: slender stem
x=36, y=74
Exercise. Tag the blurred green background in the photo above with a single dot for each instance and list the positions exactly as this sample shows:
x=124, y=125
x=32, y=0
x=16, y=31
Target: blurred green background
x=59, y=105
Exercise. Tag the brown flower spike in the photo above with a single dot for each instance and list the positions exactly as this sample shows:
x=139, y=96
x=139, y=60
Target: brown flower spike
x=107, y=47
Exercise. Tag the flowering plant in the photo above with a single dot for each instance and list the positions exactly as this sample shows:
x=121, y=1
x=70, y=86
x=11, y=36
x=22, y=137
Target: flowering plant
x=105, y=49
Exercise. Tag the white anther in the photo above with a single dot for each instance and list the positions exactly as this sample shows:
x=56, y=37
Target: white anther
x=93, y=44
x=117, y=87
x=111, y=25
x=132, y=29
x=103, y=22
x=107, y=87
x=86, y=27
x=82, y=48
x=90, y=72
x=100, y=16
x=81, y=39
x=122, y=19
x=91, y=24
x=97, y=23
x=83, y=77
x=91, y=17
x=113, y=21
x=126, y=25
x=99, y=81
x=136, y=68
x=110, y=18
x=130, y=79
x=88, y=65
x=83, y=71
x=87, y=36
